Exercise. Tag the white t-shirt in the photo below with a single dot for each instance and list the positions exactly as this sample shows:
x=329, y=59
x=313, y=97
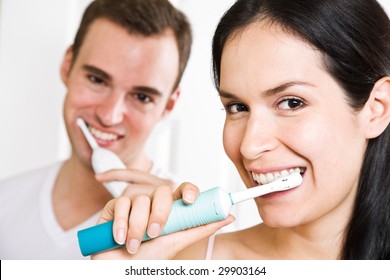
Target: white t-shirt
x=28, y=226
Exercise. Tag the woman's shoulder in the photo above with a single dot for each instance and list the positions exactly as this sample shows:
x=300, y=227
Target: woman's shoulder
x=218, y=246
x=250, y=243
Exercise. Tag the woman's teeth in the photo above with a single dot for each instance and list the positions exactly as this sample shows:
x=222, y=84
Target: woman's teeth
x=265, y=178
x=103, y=135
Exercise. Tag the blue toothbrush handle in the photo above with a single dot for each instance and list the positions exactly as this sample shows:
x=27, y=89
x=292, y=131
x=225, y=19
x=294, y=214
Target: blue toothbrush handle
x=211, y=206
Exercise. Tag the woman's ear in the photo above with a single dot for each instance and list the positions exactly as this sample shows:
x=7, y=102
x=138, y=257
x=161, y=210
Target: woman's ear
x=378, y=106
x=66, y=64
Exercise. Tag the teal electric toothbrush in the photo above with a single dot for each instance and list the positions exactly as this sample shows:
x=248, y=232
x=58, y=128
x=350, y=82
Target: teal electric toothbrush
x=211, y=206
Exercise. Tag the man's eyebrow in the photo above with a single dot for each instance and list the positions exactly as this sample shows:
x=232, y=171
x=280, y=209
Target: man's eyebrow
x=97, y=72
x=268, y=92
x=104, y=75
x=149, y=90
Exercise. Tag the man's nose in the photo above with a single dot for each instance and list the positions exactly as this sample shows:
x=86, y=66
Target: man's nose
x=112, y=109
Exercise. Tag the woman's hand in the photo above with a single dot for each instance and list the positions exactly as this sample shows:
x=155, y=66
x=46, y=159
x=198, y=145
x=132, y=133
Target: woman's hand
x=134, y=217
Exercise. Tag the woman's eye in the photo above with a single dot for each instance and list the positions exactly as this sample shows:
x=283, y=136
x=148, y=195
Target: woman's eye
x=235, y=108
x=290, y=104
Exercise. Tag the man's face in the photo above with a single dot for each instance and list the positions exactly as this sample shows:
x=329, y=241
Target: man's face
x=121, y=84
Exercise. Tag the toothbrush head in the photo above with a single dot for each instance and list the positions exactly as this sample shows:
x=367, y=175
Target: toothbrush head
x=288, y=182
x=87, y=134
x=281, y=184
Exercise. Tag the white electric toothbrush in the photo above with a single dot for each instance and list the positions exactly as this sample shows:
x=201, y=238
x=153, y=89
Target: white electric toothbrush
x=211, y=206
x=104, y=160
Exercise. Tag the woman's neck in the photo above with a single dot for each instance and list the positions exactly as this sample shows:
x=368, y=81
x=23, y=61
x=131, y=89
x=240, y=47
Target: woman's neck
x=321, y=238
x=307, y=243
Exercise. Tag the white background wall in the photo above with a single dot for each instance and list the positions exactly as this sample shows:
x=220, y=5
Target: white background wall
x=33, y=38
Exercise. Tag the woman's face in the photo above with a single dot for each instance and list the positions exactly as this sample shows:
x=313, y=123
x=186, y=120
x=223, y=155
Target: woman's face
x=283, y=112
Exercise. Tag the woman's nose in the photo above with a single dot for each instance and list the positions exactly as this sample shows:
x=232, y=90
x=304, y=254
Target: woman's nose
x=258, y=139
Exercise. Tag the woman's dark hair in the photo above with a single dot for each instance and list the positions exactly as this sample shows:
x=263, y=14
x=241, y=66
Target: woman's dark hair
x=141, y=17
x=354, y=39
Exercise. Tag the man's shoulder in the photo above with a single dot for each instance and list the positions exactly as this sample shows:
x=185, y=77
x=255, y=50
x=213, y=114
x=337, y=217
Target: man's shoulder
x=30, y=176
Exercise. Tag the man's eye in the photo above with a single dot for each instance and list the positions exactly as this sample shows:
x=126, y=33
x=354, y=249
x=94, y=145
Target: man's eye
x=235, y=108
x=290, y=104
x=95, y=79
x=144, y=98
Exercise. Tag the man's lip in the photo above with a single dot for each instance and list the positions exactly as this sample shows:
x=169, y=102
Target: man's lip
x=118, y=133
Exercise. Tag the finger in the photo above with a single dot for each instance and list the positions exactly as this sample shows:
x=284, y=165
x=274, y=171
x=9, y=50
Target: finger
x=121, y=218
x=141, y=177
x=166, y=247
x=132, y=176
x=133, y=190
x=161, y=207
x=113, y=175
x=108, y=212
x=187, y=191
x=138, y=222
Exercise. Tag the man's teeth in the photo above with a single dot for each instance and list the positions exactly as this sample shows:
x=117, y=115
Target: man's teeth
x=265, y=178
x=103, y=135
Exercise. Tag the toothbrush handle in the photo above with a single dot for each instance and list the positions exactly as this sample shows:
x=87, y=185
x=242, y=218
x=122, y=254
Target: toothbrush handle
x=210, y=206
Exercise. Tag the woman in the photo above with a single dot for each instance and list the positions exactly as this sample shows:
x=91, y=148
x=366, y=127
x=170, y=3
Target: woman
x=306, y=85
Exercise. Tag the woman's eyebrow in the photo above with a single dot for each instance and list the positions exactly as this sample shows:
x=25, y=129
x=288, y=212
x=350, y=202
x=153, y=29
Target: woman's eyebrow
x=226, y=94
x=284, y=86
x=269, y=92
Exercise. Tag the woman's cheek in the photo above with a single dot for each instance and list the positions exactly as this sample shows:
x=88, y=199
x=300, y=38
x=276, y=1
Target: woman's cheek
x=232, y=141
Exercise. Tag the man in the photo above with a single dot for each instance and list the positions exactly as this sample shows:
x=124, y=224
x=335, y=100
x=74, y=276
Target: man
x=122, y=75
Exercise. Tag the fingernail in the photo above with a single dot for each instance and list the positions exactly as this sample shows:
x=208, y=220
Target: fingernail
x=154, y=230
x=133, y=246
x=189, y=196
x=120, y=235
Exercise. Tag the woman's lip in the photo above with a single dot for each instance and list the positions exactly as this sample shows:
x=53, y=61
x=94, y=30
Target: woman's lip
x=267, y=177
x=282, y=193
x=274, y=169
x=279, y=194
